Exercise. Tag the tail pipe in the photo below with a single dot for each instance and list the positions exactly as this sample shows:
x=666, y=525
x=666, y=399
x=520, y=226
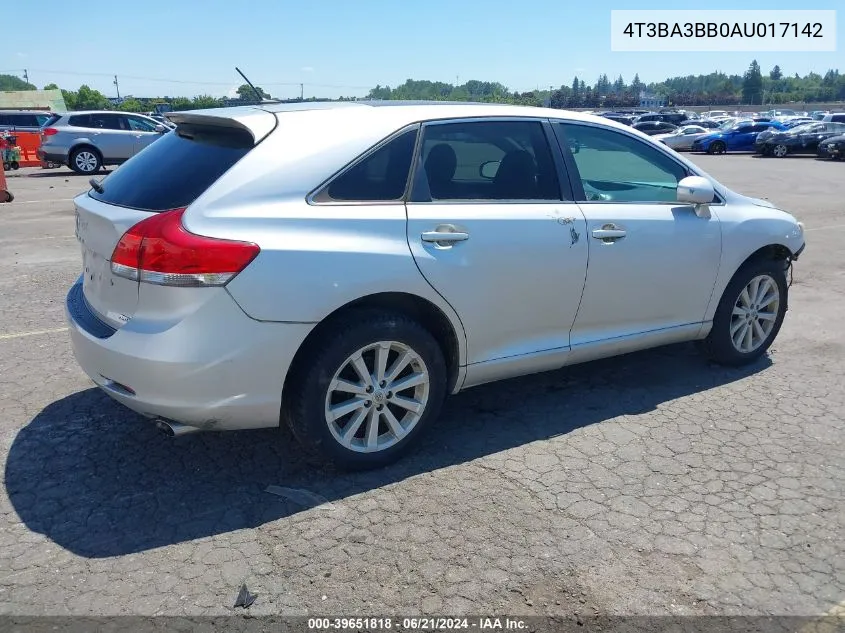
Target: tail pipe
x=174, y=429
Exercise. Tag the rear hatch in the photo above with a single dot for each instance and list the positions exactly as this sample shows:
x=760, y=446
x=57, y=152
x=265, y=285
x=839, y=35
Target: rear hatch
x=169, y=174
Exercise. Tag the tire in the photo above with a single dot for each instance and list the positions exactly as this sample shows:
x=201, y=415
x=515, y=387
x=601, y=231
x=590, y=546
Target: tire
x=6, y=166
x=719, y=344
x=307, y=398
x=15, y=165
x=717, y=147
x=780, y=150
x=85, y=161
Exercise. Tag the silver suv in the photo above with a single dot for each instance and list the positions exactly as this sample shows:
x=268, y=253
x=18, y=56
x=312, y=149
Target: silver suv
x=86, y=141
x=341, y=267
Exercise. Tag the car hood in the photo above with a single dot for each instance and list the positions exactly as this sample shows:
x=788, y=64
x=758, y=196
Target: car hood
x=760, y=202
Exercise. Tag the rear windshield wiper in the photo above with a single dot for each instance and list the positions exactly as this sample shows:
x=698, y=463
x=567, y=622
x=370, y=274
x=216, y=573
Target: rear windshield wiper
x=96, y=185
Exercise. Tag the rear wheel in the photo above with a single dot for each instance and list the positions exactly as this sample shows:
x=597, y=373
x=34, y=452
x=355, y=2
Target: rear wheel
x=717, y=147
x=363, y=395
x=780, y=150
x=750, y=313
x=85, y=161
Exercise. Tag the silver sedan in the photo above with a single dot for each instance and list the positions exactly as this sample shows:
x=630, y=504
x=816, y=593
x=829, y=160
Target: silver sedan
x=683, y=137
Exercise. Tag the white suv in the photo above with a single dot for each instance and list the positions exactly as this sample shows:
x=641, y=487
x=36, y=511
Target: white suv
x=342, y=267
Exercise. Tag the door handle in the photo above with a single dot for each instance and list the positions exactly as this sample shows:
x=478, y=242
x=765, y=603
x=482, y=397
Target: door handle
x=609, y=233
x=444, y=236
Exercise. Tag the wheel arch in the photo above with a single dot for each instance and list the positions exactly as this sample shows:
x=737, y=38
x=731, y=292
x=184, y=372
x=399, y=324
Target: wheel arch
x=775, y=251
x=448, y=335
x=85, y=144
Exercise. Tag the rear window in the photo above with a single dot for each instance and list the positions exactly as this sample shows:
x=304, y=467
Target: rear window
x=51, y=120
x=173, y=171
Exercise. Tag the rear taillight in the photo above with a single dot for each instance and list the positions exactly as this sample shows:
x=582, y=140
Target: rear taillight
x=159, y=250
x=49, y=131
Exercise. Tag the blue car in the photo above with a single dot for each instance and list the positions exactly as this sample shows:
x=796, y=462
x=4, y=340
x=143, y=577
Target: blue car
x=739, y=138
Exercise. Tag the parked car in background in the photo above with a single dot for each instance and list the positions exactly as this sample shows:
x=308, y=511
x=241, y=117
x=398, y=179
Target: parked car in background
x=23, y=120
x=803, y=139
x=625, y=119
x=670, y=117
x=818, y=115
x=654, y=127
x=683, y=137
x=87, y=141
x=834, y=117
x=339, y=269
x=738, y=138
x=833, y=148
x=713, y=114
x=705, y=123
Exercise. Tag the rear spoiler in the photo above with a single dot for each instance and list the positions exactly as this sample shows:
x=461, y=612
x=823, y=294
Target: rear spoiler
x=259, y=123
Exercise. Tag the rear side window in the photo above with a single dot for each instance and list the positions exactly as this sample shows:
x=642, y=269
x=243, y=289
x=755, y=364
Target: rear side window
x=80, y=120
x=173, y=171
x=53, y=118
x=382, y=176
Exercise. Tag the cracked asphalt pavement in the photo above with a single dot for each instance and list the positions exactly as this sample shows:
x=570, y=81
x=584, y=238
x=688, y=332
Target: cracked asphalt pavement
x=649, y=484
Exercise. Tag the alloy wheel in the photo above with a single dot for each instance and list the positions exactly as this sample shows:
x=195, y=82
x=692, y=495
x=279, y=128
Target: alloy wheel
x=85, y=161
x=377, y=396
x=754, y=314
x=780, y=151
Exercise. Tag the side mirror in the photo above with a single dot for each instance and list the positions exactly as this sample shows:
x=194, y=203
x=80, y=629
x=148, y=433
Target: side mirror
x=161, y=129
x=695, y=190
x=489, y=169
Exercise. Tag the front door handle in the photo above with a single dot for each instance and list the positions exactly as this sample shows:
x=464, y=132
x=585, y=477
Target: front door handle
x=609, y=233
x=444, y=236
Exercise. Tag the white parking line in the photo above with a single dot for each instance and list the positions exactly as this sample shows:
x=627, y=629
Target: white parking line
x=826, y=228
x=42, y=237
x=4, y=337
x=40, y=201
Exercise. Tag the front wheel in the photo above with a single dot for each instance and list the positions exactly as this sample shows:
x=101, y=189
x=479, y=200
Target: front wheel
x=716, y=148
x=363, y=395
x=750, y=313
x=780, y=150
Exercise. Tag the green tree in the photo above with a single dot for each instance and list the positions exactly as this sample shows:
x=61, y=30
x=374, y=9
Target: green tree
x=201, y=102
x=11, y=82
x=51, y=87
x=775, y=74
x=752, y=84
x=246, y=93
x=131, y=105
x=70, y=99
x=87, y=98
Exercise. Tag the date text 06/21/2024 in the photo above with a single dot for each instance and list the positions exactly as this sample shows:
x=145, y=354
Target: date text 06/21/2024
x=723, y=30
x=423, y=623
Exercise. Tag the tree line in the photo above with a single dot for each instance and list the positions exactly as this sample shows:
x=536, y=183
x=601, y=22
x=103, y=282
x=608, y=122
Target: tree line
x=753, y=87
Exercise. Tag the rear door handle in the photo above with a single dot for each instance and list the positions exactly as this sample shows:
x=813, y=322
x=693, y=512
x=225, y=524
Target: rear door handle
x=609, y=233
x=444, y=236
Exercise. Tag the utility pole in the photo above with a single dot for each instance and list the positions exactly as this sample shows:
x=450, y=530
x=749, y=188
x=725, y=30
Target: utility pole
x=302, y=92
x=117, y=87
x=25, y=76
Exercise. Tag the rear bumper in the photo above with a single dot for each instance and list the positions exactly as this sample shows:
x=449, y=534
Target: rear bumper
x=216, y=368
x=50, y=156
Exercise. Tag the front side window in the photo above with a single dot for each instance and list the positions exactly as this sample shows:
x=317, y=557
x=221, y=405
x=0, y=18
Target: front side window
x=486, y=160
x=616, y=167
x=381, y=176
x=137, y=124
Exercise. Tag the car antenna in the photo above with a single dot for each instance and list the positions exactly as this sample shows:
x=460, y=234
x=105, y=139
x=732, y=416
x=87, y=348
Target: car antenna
x=254, y=89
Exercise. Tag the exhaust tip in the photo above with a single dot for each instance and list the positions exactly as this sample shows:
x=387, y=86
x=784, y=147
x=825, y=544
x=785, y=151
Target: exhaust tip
x=165, y=428
x=174, y=429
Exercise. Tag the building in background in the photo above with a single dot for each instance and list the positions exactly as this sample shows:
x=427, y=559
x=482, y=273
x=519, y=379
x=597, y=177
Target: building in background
x=48, y=100
x=651, y=101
